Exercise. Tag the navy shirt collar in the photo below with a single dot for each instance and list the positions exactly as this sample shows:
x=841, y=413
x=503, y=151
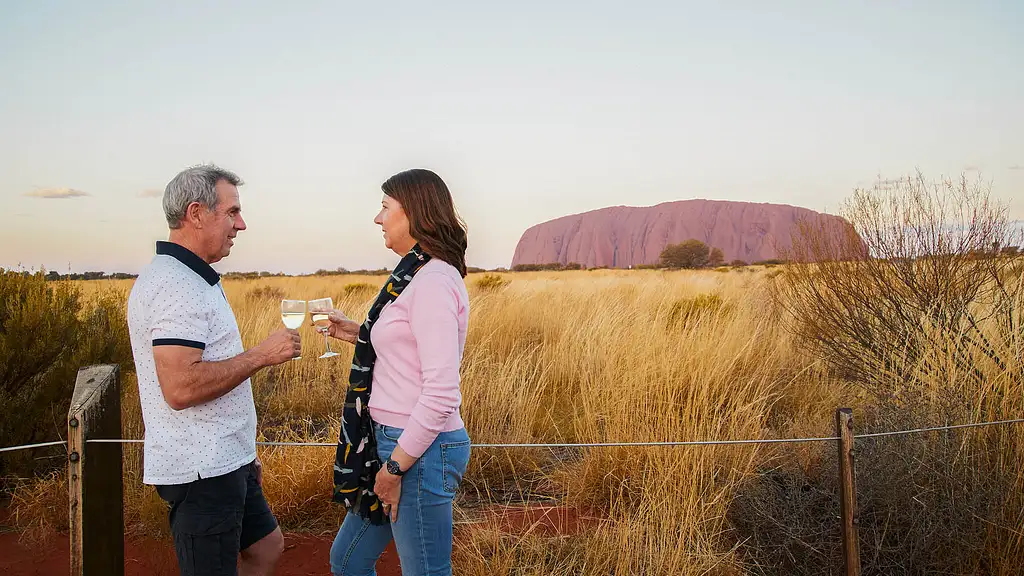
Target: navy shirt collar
x=188, y=258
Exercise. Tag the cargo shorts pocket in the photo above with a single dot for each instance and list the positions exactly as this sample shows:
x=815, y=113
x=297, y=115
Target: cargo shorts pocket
x=208, y=554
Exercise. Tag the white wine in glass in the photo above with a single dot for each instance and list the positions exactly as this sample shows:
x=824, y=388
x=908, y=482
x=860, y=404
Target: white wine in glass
x=293, y=314
x=320, y=310
x=321, y=320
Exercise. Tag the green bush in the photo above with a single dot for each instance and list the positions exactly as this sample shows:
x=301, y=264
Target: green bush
x=47, y=332
x=690, y=254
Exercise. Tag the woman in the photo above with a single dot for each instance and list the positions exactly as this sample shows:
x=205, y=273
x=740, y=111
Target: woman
x=403, y=447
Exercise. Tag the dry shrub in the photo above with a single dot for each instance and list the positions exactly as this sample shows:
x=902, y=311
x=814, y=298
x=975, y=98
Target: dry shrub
x=917, y=309
x=491, y=282
x=269, y=293
x=915, y=272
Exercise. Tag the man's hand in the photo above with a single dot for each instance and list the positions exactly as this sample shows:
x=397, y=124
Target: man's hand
x=259, y=472
x=342, y=328
x=281, y=346
x=388, y=488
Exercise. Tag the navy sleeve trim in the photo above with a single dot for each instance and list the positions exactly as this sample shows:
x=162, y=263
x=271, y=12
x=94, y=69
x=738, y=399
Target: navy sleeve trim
x=178, y=342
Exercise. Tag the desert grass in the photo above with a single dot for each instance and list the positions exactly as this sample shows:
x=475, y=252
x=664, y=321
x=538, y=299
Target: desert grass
x=587, y=356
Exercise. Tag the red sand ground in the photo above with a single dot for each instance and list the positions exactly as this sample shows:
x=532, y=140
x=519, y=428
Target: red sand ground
x=304, y=554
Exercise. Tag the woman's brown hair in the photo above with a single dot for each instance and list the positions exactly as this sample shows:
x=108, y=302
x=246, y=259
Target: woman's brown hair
x=433, y=220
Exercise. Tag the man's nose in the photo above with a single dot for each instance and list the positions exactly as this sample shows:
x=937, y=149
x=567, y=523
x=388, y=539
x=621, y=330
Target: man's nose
x=239, y=223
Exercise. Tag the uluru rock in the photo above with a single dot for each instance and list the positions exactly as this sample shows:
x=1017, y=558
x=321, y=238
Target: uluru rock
x=625, y=236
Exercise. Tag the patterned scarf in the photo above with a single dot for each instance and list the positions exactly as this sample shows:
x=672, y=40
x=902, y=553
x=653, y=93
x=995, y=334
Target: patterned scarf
x=356, y=462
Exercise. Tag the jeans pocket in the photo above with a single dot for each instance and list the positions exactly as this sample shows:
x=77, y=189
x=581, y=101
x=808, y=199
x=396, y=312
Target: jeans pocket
x=454, y=459
x=390, y=432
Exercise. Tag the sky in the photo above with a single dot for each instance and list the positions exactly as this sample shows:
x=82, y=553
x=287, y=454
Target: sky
x=528, y=110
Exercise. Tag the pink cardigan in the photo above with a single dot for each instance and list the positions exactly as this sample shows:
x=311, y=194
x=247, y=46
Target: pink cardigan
x=419, y=339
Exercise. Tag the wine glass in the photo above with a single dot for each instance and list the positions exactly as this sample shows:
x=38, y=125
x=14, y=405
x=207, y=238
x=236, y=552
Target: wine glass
x=293, y=314
x=320, y=310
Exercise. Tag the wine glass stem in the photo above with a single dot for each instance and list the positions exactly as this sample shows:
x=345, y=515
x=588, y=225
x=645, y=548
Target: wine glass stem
x=327, y=341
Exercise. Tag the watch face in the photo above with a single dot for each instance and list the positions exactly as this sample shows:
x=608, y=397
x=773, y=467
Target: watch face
x=394, y=468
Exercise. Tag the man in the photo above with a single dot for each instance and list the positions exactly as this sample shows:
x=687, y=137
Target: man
x=193, y=373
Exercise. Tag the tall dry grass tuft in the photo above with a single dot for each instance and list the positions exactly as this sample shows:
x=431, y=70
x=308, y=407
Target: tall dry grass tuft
x=297, y=482
x=39, y=507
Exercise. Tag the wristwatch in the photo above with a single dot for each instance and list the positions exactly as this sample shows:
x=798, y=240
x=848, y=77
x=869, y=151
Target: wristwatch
x=393, y=467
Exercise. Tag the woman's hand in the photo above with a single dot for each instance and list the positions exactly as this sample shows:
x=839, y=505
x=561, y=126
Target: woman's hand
x=342, y=328
x=388, y=488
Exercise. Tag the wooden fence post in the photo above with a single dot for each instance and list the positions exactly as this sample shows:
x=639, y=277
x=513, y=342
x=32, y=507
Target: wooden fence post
x=848, y=491
x=95, y=483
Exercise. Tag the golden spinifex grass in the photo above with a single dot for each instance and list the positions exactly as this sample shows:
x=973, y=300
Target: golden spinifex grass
x=568, y=357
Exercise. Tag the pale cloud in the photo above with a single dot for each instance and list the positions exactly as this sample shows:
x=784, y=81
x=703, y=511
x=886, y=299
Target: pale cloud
x=151, y=193
x=1017, y=167
x=56, y=193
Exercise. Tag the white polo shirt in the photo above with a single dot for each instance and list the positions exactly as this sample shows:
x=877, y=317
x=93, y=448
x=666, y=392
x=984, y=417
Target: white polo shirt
x=178, y=300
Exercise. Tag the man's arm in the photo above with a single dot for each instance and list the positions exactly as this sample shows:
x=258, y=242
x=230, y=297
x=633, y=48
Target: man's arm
x=187, y=381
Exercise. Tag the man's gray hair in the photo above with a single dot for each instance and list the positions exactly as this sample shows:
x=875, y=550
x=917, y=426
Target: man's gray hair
x=195, y=184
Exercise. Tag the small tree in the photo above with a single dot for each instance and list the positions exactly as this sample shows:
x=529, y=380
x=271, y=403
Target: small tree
x=689, y=254
x=716, y=258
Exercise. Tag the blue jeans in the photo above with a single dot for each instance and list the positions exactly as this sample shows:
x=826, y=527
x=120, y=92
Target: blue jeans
x=423, y=532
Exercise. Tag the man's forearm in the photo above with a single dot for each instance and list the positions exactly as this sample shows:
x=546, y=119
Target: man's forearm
x=206, y=381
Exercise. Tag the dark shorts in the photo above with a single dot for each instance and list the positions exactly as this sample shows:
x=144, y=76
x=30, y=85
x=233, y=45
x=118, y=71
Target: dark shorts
x=213, y=519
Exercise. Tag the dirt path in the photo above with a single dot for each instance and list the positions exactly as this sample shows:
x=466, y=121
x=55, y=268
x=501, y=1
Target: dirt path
x=304, y=554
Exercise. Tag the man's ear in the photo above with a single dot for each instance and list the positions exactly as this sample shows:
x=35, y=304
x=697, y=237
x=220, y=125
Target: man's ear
x=194, y=214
